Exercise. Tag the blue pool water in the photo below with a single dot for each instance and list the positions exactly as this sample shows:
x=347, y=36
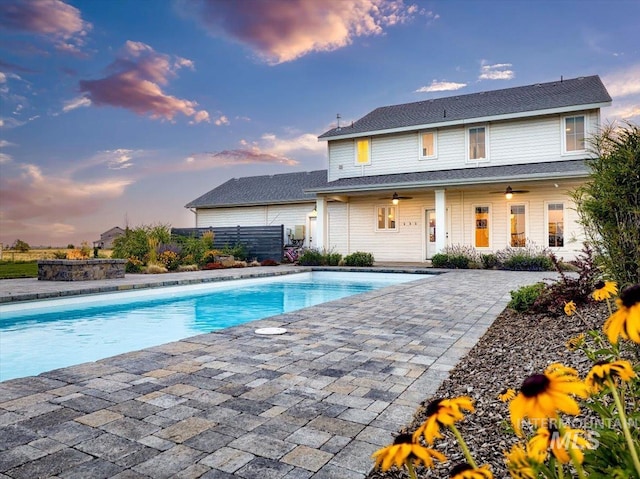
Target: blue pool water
x=45, y=335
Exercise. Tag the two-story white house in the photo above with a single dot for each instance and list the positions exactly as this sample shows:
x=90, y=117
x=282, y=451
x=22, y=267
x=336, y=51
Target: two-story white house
x=488, y=170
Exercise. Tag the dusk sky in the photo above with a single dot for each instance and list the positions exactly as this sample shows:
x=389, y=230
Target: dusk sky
x=116, y=112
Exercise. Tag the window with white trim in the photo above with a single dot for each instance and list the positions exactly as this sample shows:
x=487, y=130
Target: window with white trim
x=363, y=151
x=428, y=145
x=481, y=226
x=517, y=226
x=477, y=143
x=386, y=218
x=574, y=134
x=555, y=225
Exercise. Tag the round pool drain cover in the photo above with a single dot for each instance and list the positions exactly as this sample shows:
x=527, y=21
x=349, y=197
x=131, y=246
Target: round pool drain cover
x=270, y=331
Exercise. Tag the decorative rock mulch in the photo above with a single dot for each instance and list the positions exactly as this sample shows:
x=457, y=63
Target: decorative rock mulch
x=515, y=346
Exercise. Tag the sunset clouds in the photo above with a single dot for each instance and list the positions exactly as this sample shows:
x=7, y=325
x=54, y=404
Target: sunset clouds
x=135, y=82
x=284, y=31
x=54, y=20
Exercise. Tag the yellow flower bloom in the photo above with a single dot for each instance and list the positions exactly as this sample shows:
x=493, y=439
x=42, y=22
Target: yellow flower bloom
x=569, y=308
x=625, y=321
x=465, y=471
x=519, y=464
x=602, y=370
x=547, y=439
x=605, y=290
x=574, y=343
x=543, y=395
x=405, y=449
x=507, y=395
x=442, y=412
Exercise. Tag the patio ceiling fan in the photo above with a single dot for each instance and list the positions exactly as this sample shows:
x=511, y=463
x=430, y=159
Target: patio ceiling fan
x=396, y=198
x=508, y=192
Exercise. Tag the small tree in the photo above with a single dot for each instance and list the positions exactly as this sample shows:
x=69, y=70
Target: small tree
x=21, y=246
x=608, y=204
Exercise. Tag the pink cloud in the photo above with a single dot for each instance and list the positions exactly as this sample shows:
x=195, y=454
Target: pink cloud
x=30, y=194
x=135, y=81
x=283, y=31
x=53, y=19
x=249, y=156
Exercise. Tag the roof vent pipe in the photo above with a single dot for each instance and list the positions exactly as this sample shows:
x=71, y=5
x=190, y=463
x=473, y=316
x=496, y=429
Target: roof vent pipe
x=445, y=114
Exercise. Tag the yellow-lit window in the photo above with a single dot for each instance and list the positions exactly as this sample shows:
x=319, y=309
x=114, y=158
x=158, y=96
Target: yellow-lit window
x=555, y=224
x=386, y=218
x=482, y=226
x=516, y=220
x=428, y=145
x=363, y=156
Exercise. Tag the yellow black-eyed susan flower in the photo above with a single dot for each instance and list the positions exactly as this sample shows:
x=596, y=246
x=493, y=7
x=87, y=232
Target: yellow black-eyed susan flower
x=602, y=370
x=625, y=321
x=519, y=464
x=442, y=412
x=605, y=290
x=465, y=471
x=405, y=449
x=507, y=395
x=570, y=308
x=541, y=396
x=560, y=445
x=574, y=343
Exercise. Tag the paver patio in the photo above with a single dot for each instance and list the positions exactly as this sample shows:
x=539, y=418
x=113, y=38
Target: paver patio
x=315, y=402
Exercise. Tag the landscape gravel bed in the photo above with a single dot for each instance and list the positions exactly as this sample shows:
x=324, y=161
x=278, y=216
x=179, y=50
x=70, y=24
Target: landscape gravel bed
x=515, y=346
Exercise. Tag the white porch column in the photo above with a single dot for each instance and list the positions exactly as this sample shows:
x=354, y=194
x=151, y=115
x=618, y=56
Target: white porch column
x=441, y=220
x=321, y=239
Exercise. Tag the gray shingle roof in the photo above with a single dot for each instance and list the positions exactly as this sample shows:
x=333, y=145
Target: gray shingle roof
x=267, y=189
x=531, y=98
x=486, y=174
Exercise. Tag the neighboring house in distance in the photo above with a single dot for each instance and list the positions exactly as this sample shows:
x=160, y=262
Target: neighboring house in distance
x=404, y=181
x=106, y=238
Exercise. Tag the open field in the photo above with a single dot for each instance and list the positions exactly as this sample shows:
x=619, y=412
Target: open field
x=18, y=270
x=46, y=253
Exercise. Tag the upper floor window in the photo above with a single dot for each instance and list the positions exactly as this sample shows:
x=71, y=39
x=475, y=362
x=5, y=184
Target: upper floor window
x=428, y=144
x=477, y=143
x=363, y=151
x=386, y=218
x=574, y=133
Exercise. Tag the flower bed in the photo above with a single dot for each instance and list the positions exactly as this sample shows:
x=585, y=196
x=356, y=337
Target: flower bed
x=80, y=270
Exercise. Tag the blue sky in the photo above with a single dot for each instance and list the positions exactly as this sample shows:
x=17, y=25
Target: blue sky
x=118, y=111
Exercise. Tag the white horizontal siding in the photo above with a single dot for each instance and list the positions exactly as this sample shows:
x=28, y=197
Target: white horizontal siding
x=521, y=141
x=272, y=215
x=352, y=226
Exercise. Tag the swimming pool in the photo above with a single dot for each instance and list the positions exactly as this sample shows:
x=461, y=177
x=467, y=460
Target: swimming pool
x=44, y=335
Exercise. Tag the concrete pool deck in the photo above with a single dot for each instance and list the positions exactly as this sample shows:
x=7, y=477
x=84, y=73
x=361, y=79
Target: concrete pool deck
x=315, y=402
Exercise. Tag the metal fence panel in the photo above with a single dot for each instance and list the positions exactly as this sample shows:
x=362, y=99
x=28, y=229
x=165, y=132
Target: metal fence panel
x=262, y=242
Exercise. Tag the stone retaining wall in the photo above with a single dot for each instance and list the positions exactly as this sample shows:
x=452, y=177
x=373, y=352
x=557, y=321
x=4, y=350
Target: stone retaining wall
x=80, y=270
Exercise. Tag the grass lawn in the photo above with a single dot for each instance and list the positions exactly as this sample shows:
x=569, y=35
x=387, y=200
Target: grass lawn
x=18, y=270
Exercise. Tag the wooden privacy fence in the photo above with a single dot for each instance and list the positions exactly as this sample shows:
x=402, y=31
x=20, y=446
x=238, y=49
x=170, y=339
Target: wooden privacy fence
x=261, y=242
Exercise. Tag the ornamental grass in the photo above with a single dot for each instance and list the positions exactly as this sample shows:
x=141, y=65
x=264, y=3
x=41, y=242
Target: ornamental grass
x=545, y=406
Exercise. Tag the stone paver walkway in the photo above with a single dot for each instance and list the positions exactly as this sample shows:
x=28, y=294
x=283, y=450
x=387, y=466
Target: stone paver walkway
x=315, y=402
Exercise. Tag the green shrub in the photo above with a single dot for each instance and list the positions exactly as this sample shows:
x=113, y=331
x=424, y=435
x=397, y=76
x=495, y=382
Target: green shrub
x=133, y=265
x=238, y=251
x=527, y=258
x=608, y=203
x=311, y=257
x=359, y=258
x=523, y=298
x=331, y=258
x=60, y=254
x=457, y=261
x=489, y=261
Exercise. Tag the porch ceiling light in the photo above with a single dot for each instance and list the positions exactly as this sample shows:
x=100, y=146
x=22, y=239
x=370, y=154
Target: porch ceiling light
x=508, y=194
x=395, y=199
